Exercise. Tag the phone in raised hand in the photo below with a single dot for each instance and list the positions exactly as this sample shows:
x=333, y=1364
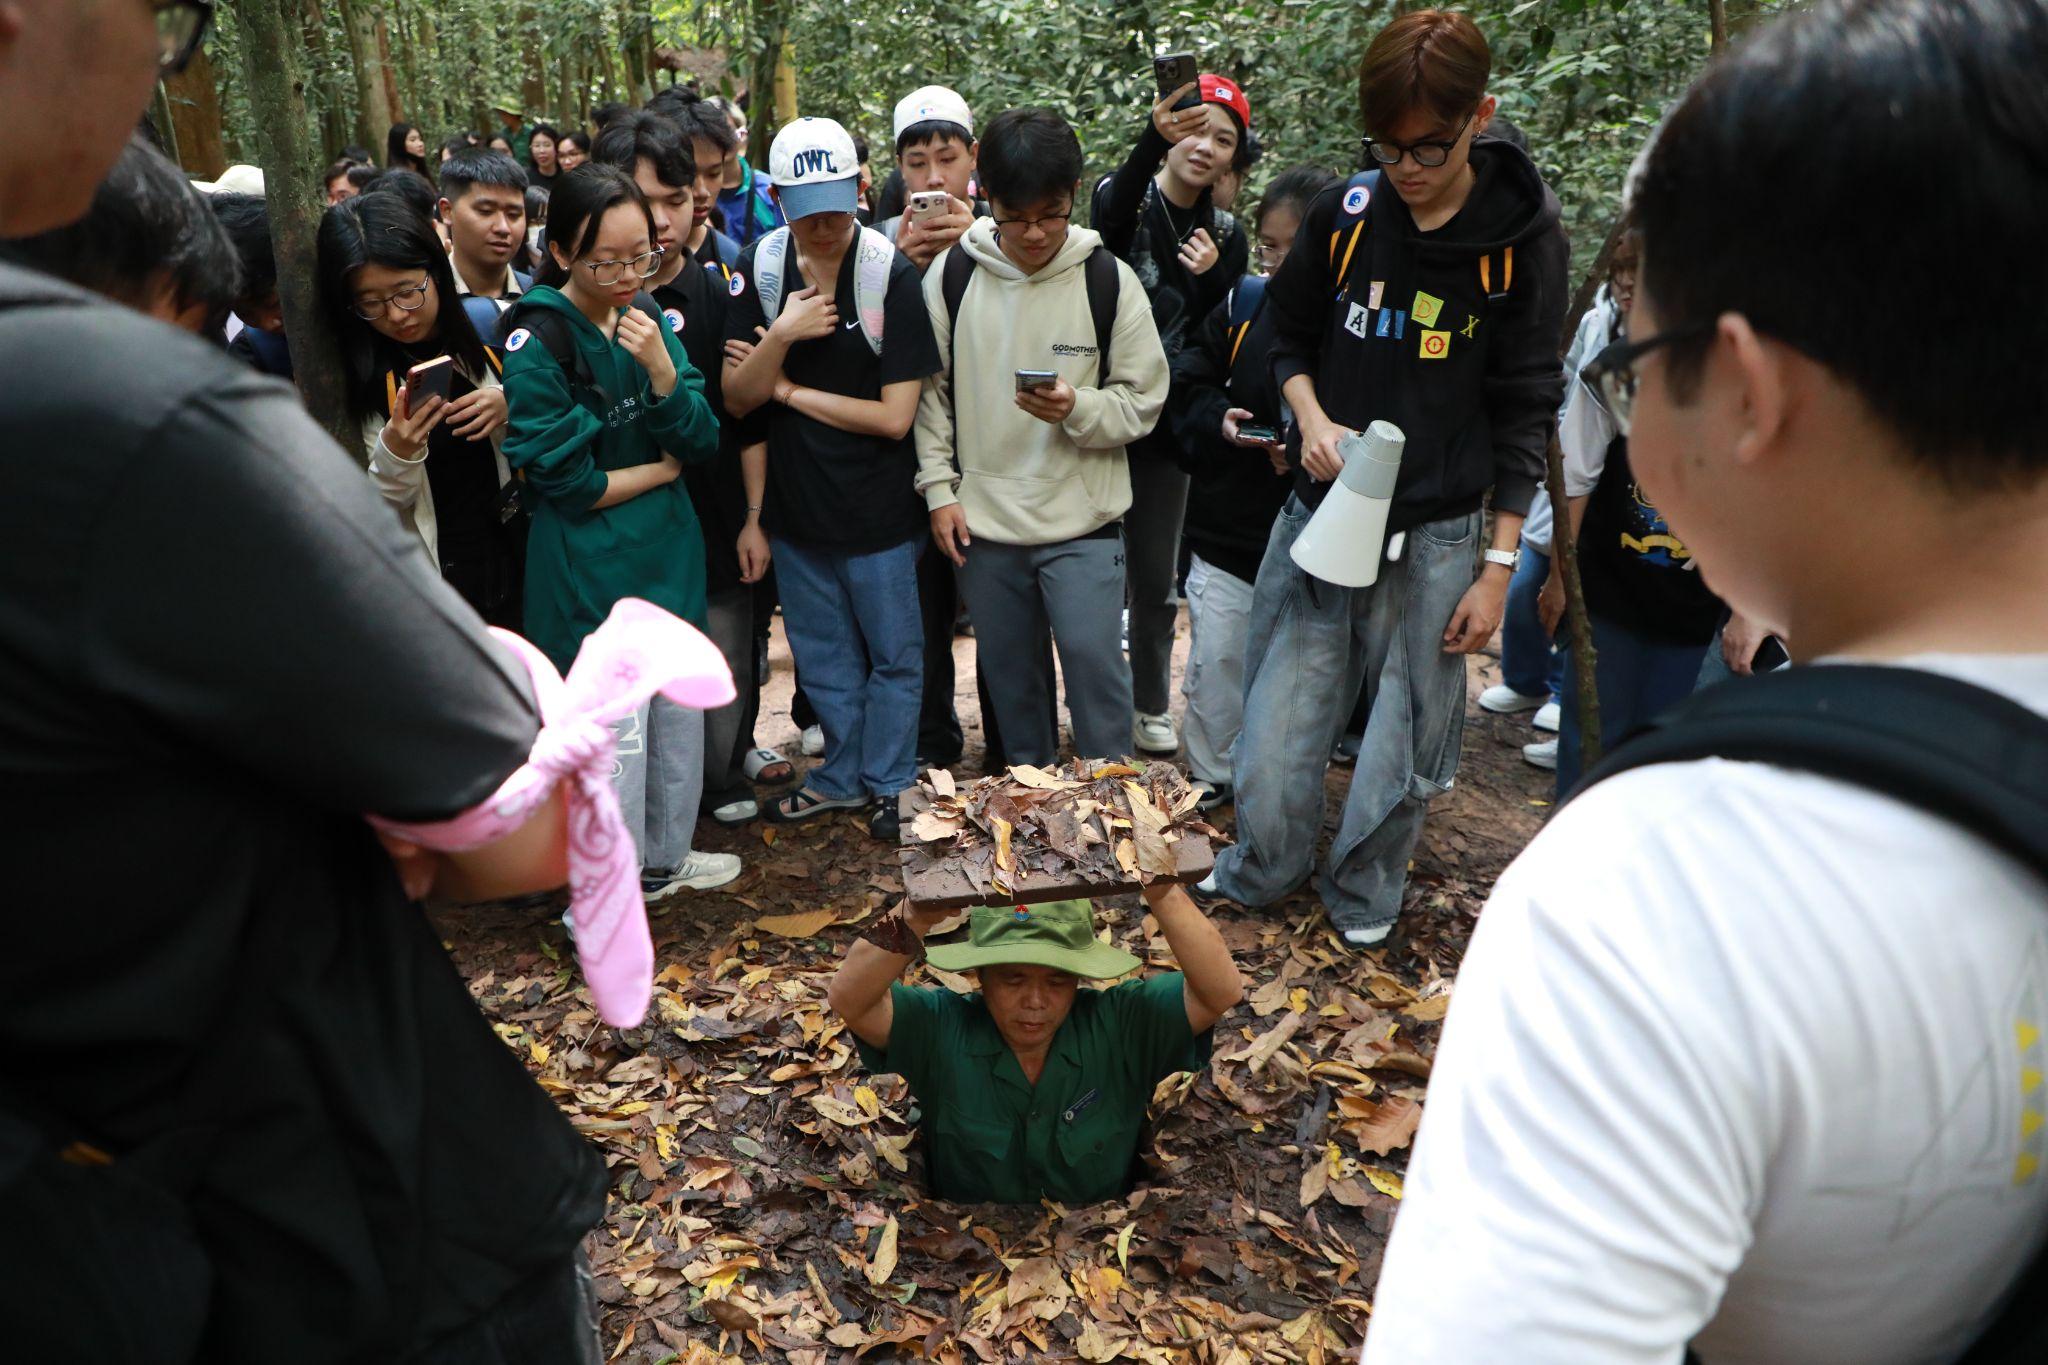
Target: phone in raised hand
x=429, y=379
x=1173, y=70
x=926, y=205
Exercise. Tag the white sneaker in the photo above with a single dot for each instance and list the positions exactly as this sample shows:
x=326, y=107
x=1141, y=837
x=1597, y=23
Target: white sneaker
x=1542, y=755
x=813, y=741
x=1546, y=717
x=1366, y=938
x=1503, y=700
x=699, y=871
x=1155, y=735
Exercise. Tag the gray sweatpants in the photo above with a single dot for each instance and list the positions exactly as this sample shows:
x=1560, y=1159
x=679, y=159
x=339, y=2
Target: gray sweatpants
x=1219, y=623
x=659, y=774
x=1075, y=589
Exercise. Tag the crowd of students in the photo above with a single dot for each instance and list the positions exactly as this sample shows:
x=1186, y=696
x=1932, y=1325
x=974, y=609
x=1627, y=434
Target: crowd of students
x=1708, y=1079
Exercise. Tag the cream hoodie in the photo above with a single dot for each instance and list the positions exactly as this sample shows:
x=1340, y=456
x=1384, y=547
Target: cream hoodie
x=1022, y=481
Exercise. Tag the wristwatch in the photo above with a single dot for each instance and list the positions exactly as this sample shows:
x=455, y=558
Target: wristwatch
x=1510, y=558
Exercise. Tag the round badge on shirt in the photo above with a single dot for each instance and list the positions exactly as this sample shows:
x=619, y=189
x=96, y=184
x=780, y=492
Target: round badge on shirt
x=675, y=319
x=1356, y=198
x=738, y=286
x=517, y=339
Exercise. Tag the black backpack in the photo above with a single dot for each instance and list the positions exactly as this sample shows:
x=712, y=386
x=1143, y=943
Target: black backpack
x=1945, y=746
x=1104, y=288
x=555, y=333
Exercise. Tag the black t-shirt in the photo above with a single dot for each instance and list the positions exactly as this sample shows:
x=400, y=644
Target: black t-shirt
x=697, y=296
x=217, y=649
x=1638, y=574
x=828, y=487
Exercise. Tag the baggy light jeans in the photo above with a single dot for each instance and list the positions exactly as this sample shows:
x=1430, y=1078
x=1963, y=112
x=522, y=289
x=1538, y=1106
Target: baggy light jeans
x=659, y=774
x=1219, y=624
x=1312, y=645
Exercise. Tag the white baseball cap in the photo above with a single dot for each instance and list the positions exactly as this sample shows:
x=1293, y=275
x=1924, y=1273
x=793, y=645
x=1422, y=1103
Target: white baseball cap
x=234, y=180
x=933, y=104
x=814, y=168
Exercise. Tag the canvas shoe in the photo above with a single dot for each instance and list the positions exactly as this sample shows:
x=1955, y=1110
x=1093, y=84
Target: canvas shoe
x=1155, y=735
x=1543, y=755
x=1503, y=700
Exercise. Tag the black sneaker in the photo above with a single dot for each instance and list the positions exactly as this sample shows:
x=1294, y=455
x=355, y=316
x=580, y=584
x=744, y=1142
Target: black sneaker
x=886, y=824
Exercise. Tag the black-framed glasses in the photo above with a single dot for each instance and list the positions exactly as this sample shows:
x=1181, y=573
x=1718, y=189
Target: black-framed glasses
x=1430, y=154
x=606, y=274
x=180, y=28
x=410, y=299
x=1612, y=373
x=1049, y=222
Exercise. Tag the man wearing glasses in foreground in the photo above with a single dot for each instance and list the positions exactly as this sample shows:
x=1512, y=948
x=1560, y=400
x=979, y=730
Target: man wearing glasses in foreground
x=248, y=1111
x=1741, y=1056
x=1428, y=294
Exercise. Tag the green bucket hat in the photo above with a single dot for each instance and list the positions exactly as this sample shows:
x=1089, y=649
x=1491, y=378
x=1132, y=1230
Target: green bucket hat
x=1057, y=934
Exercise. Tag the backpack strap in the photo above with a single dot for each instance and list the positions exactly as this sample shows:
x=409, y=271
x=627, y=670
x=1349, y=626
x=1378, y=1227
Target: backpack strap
x=487, y=316
x=1349, y=228
x=1105, y=290
x=1245, y=299
x=771, y=259
x=1947, y=747
x=1506, y=274
x=954, y=277
x=874, y=257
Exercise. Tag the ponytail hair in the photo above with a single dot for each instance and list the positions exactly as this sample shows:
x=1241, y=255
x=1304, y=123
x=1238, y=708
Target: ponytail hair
x=576, y=211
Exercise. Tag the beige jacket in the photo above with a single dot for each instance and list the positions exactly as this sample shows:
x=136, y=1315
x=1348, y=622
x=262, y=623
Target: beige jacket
x=404, y=482
x=1022, y=481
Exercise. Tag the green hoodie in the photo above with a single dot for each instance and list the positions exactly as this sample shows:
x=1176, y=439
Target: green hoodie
x=579, y=560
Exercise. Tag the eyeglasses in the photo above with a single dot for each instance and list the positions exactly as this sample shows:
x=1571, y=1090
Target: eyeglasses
x=1612, y=373
x=1049, y=222
x=180, y=27
x=410, y=299
x=606, y=274
x=1425, y=153
x=1270, y=254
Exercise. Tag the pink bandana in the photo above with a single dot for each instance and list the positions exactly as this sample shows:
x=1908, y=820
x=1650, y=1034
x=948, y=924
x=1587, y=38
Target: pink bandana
x=639, y=650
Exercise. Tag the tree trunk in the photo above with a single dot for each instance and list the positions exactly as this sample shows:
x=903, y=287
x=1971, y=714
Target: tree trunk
x=291, y=167
x=394, y=107
x=564, y=91
x=373, y=116
x=1717, y=25
x=194, y=100
x=767, y=29
x=533, y=86
x=1563, y=545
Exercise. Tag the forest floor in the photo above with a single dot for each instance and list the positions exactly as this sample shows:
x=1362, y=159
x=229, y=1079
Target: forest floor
x=767, y=1200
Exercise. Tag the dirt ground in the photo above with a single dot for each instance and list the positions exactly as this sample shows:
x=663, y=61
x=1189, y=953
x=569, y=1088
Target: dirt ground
x=767, y=1204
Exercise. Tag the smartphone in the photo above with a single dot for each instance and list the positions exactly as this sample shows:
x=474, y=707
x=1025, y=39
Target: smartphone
x=928, y=204
x=1174, y=70
x=1258, y=433
x=1036, y=379
x=429, y=379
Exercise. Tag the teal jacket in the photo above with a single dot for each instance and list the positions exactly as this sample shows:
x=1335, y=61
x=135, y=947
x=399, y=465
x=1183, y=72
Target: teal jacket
x=562, y=438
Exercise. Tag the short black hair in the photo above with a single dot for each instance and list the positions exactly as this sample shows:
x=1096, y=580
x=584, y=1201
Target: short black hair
x=410, y=185
x=576, y=211
x=635, y=134
x=475, y=166
x=576, y=137
x=860, y=150
x=695, y=116
x=336, y=171
x=147, y=227
x=246, y=219
x=358, y=154
x=1296, y=188
x=1775, y=190
x=537, y=203
x=932, y=130
x=456, y=146
x=607, y=114
x=1028, y=156
x=360, y=175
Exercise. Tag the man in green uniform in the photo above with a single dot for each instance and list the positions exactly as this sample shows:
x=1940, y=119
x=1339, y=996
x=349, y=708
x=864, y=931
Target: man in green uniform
x=1034, y=1088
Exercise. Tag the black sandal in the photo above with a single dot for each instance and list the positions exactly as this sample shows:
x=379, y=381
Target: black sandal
x=803, y=804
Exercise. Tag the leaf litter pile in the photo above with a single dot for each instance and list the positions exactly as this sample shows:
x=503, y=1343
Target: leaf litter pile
x=767, y=1200
x=1084, y=828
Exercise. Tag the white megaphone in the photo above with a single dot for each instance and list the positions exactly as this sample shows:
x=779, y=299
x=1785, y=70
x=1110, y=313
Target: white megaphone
x=1344, y=541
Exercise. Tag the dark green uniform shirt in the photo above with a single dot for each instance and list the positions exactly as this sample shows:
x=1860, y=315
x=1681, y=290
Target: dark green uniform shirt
x=991, y=1136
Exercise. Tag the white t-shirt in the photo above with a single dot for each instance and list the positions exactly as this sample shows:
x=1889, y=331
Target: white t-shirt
x=1740, y=1057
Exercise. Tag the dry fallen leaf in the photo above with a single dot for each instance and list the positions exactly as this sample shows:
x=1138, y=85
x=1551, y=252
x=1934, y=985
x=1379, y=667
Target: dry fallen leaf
x=809, y=924
x=1385, y=1126
x=884, y=1263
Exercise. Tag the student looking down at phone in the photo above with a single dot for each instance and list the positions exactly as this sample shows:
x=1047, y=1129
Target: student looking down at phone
x=1158, y=213
x=1226, y=414
x=936, y=155
x=1021, y=437
x=606, y=408
x=433, y=450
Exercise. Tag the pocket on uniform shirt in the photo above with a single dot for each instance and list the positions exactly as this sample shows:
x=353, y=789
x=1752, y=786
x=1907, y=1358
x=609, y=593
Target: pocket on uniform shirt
x=984, y=1142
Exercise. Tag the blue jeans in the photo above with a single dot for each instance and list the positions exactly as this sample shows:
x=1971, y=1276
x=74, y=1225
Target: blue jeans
x=1530, y=662
x=1638, y=678
x=1312, y=644
x=858, y=639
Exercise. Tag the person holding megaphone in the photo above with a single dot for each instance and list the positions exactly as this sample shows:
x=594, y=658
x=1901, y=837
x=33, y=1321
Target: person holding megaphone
x=1415, y=340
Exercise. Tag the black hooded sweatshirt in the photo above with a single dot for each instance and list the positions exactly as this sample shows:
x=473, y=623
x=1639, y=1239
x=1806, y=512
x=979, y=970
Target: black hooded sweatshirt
x=1450, y=335
x=1233, y=493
